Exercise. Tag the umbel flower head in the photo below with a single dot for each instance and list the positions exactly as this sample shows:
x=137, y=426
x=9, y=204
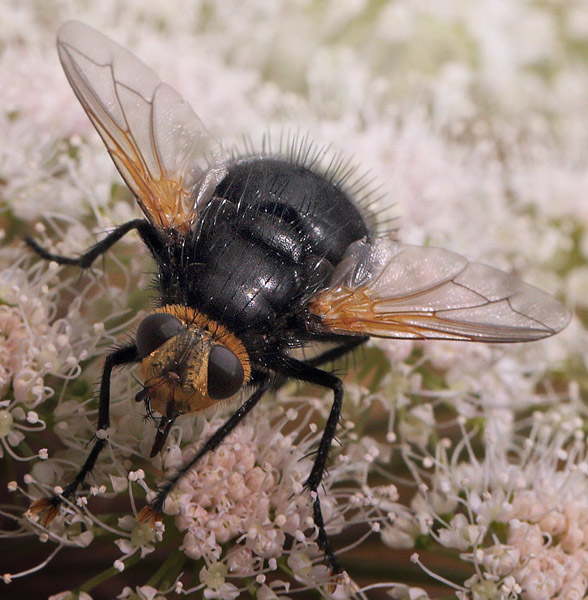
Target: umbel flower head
x=243, y=512
x=473, y=117
x=39, y=346
x=518, y=514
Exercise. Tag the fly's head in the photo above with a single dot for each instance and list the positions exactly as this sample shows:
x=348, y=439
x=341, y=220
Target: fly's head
x=188, y=363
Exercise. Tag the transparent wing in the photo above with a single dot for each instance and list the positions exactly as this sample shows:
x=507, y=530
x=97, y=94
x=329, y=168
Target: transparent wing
x=161, y=148
x=394, y=290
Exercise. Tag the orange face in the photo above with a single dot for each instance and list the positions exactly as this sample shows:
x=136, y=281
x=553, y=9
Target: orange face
x=175, y=375
x=194, y=364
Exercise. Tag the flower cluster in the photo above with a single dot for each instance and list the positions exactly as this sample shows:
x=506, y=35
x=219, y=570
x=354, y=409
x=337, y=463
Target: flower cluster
x=251, y=492
x=471, y=114
x=37, y=346
x=519, y=513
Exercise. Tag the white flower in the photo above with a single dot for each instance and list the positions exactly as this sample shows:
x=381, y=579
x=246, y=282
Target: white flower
x=71, y=596
x=403, y=592
x=144, y=592
x=141, y=537
x=417, y=425
x=543, y=517
x=461, y=534
x=501, y=559
x=216, y=585
x=472, y=115
x=249, y=492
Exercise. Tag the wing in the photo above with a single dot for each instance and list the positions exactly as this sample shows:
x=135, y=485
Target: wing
x=394, y=290
x=161, y=148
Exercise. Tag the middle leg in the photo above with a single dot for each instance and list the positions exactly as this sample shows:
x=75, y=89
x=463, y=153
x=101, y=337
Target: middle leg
x=121, y=356
x=305, y=372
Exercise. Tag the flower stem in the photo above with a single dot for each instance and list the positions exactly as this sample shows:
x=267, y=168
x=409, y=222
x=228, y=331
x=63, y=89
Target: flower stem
x=107, y=574
x=169, y=570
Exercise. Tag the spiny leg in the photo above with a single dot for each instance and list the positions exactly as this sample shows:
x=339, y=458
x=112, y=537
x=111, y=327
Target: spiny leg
x=305, y=372
x=145, y=229
x=154, y=510
x=343, y=348
x=163, y=429
x=121, y=356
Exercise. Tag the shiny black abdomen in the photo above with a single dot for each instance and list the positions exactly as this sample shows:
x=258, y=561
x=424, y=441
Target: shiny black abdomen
x=263, y=246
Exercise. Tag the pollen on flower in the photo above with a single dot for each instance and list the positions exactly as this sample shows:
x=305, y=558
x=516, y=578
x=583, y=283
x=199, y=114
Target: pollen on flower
x=136, y=475
x=32, y=417
x=281, y=520
x=6, y=421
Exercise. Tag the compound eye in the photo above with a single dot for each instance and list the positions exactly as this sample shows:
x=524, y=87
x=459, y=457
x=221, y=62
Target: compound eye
x=154, y=330
x=225, y=373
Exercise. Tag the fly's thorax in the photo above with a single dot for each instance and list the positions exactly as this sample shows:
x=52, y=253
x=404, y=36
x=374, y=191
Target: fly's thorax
x=188, y=361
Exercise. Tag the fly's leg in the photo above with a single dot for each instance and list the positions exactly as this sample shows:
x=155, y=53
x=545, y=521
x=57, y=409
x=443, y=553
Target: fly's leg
x=348, y=345
x=121, y=356
x=304, y=372
x=154, y=510
x=144, y=228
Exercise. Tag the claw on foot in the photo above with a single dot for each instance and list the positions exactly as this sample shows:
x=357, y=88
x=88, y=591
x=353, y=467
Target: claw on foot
x=48, y=506
x=148, y=514
x=338, y=578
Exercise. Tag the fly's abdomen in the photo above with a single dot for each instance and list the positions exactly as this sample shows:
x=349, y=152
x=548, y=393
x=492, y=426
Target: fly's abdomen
x=243, y=284
x=270, y=238
x=314, y=211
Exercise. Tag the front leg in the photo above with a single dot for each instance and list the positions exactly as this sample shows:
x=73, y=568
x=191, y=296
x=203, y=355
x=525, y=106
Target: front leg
x=144, y=228
x=121, y=356
x=305, y=372
x=152, y=512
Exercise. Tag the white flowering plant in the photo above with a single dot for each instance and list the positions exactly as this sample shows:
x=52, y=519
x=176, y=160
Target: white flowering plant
x=461, y=469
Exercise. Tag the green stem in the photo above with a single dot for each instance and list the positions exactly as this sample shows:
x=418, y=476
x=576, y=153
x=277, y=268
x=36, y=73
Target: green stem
x=169, y=570
x=403, y=572
x=108, y=573
x=250, y=585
